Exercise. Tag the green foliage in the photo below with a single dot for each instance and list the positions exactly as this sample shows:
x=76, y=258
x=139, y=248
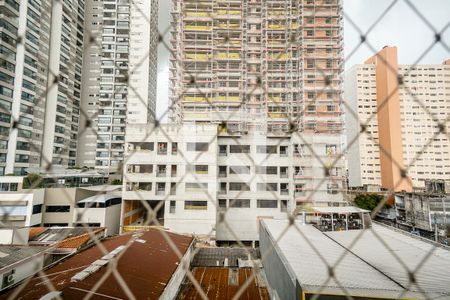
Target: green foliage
x=32, y=180
x=116, y=182
x=368, y=201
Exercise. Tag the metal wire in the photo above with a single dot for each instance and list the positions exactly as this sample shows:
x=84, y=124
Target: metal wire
x=442, y=131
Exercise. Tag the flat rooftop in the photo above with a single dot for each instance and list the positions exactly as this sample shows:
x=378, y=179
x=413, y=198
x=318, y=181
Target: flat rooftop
x=146, y=264
x=376, y=262
x=225, y=283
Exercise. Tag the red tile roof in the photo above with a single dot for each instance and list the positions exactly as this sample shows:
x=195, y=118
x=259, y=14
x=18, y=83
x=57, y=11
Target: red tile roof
x=146, y=268
x=34, y=231
x=77, y=241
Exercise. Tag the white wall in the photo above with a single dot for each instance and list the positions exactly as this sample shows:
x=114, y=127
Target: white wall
x=24, y=269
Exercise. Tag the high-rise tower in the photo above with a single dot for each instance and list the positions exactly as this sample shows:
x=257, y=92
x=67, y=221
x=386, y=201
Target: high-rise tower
x=40, y=83
x=270, y=65
x=119, y=77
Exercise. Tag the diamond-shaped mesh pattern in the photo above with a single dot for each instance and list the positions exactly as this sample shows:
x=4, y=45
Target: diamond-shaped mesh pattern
x=294, y=126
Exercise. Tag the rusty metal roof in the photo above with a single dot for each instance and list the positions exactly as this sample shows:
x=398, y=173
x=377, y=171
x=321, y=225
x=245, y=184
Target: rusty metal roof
x=146, y=266
x=224, y=283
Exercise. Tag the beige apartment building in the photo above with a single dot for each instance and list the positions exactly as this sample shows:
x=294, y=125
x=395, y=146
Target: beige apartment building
x=401, y=122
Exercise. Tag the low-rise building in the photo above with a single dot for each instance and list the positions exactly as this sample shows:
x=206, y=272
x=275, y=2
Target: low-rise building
x=428, y=212
x=204, y=180
x=302, y=262
x=19, y=262
x=93, y=206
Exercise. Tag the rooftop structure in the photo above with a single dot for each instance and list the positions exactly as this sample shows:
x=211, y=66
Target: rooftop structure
x=77, y=275
x=19, y=262
x=71, y=239
x=377, y=262
x=400, y=123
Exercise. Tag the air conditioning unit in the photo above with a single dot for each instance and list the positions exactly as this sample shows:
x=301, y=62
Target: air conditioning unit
x=10, y=278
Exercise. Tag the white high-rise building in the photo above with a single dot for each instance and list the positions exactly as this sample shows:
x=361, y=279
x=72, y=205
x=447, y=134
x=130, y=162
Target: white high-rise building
x=119, y=78
x=40, y=83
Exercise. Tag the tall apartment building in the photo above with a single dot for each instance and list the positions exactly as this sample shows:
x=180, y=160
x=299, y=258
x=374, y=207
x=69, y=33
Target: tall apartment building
x=119, y=77
x=251, y=65
x=40, y=82
x=402, y=121
x=194, y=177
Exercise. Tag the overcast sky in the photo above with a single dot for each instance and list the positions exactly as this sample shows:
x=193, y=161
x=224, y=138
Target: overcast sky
x=400, y=27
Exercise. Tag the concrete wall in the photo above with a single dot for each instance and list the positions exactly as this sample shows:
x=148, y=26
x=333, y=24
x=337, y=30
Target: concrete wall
x=279, y=274
x=23, y=270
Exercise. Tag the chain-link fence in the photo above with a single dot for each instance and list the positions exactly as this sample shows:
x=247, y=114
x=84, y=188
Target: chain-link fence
x=293, y=130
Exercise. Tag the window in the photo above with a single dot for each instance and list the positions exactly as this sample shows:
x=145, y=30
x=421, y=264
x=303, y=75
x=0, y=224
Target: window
x=174, y=148
x=240, y=203
x=332, y=188
x=194, y=186
x=57, y=208
x=202, y=147
x=222, y=150
x=37, y=209
x=267, y=186
x=269, y=170
x=196, y=205
x=222, y=203
x=239, y=186
x=266, y=149
x=173, y=188
x=283, y=205
x=162, y=148
x=239, y=148
x=331, y=150
x=197, y=169
x=299, y=190
x=239, y=170
x=172, y=207
x=266, y=203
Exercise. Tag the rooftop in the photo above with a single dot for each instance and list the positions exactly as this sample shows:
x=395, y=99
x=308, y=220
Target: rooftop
x=224, y=283
x=146, y=265
x=54, y=235
x=367, y=268
x=13, y=254
x=101, y=198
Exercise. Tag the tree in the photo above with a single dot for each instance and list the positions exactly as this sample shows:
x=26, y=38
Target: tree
x=368, y=201
x=33, y=180
x=116, y=182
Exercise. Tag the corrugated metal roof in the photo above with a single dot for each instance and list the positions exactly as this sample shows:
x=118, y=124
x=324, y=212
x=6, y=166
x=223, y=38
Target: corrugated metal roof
x=303, y=248
x=146, y=268
x=13, y=254
x=403, y=254
x=224, y=283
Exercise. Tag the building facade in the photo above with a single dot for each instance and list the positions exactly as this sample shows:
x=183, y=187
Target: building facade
x=40, y=83
x=401, y=123
x=119, y=82
x=204, y=180
x=259, y=66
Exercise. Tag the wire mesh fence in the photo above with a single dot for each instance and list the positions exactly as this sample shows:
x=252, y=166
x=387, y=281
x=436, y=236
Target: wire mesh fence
x=256, y=100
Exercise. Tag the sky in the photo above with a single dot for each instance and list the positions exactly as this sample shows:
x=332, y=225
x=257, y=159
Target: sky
x=400, y=26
